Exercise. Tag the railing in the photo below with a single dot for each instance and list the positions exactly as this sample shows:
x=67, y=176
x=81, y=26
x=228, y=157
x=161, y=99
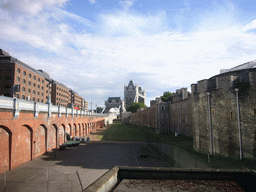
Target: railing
x=18, y=105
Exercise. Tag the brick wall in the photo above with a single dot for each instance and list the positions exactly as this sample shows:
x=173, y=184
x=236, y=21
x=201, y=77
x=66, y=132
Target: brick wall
x=25, y=138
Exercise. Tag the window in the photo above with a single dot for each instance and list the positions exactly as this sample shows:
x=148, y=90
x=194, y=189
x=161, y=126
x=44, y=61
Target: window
x=8, y=78
x=38, y=86
x=38, y=79
x=42, y=88
x=34, y=77
x=34, y=85
x=29, y=90
x=24, y=81
x=29, y=75
x=42, y=94
x=23, y=89
x=231, y=115
x=17, y=95
x=7, y=86
x=18, y=79
x=34, y=99
x=34, y=92
x=29, y=83
x=42, y=100
x=24, y=73
x=37, y=100
x=38, y=93
x=46, y=91
x=9, y=69
x=23, y=96
x=18, y=70
x=42, y=81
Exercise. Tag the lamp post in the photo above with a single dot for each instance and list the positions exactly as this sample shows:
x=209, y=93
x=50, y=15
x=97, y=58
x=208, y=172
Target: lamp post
x=210, y=122
x=239, y=125
x=91, y=108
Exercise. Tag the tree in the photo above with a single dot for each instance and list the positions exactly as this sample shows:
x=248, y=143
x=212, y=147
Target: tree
x=99, y=109
x=166, y=96
x=133, y=108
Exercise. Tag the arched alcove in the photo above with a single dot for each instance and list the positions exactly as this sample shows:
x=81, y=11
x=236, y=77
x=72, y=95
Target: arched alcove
x=5, y=148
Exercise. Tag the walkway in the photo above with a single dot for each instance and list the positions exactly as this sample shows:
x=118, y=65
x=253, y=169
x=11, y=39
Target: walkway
x=56, y=170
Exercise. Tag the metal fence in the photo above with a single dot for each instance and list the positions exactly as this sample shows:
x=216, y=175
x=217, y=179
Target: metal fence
x=45, y=179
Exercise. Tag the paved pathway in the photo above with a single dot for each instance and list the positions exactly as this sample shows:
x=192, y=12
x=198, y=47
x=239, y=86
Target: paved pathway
x=57, y=170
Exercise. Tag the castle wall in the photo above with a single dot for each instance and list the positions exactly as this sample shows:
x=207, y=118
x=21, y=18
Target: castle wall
x=181, y=117
x=224, y=116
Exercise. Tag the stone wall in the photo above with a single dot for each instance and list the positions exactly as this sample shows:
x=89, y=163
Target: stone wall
x=209, y=114
x=145, y=117
x=167, y=117
x=222, y=114
x=181, y=117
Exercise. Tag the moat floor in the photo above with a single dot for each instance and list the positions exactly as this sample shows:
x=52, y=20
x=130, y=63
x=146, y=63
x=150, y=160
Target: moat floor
x=60, y=170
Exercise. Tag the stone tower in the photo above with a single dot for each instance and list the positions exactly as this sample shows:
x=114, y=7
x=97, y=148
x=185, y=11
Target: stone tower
x=133, y=93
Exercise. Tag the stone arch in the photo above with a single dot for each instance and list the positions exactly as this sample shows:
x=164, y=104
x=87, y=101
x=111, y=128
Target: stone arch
x=75, y=130
x=30, y=141
x=79, y=130
x=83, y=131
x=40, y=140
x=53, y=137
x=68, y=130
x=62, y=135
x=5, y=148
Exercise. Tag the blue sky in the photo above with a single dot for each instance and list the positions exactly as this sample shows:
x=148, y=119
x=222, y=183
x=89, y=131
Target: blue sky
x=97, y=46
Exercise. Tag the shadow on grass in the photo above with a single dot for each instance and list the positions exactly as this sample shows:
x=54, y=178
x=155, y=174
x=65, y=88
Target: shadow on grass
x=127, y=132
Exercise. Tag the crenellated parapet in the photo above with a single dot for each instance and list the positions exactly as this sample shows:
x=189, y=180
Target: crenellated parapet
x=224, y=112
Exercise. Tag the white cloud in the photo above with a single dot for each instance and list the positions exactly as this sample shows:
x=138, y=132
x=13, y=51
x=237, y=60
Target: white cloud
x=92, y=1
x=32, y=7
x=126, y=4
x=141, y=46
x=250, y=26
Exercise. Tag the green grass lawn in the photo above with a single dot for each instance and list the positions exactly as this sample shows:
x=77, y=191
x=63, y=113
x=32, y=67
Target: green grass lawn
x=124, y=132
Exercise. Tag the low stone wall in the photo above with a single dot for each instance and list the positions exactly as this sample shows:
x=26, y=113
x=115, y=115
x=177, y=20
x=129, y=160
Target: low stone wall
x=244, y=178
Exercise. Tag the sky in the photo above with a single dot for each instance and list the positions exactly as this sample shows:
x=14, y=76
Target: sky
x=95, y=47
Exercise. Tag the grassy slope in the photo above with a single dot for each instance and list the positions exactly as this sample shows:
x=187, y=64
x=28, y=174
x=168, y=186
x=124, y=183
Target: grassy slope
x=122, y=132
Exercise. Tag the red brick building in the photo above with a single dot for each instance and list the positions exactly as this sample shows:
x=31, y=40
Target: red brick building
x=34, y=85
